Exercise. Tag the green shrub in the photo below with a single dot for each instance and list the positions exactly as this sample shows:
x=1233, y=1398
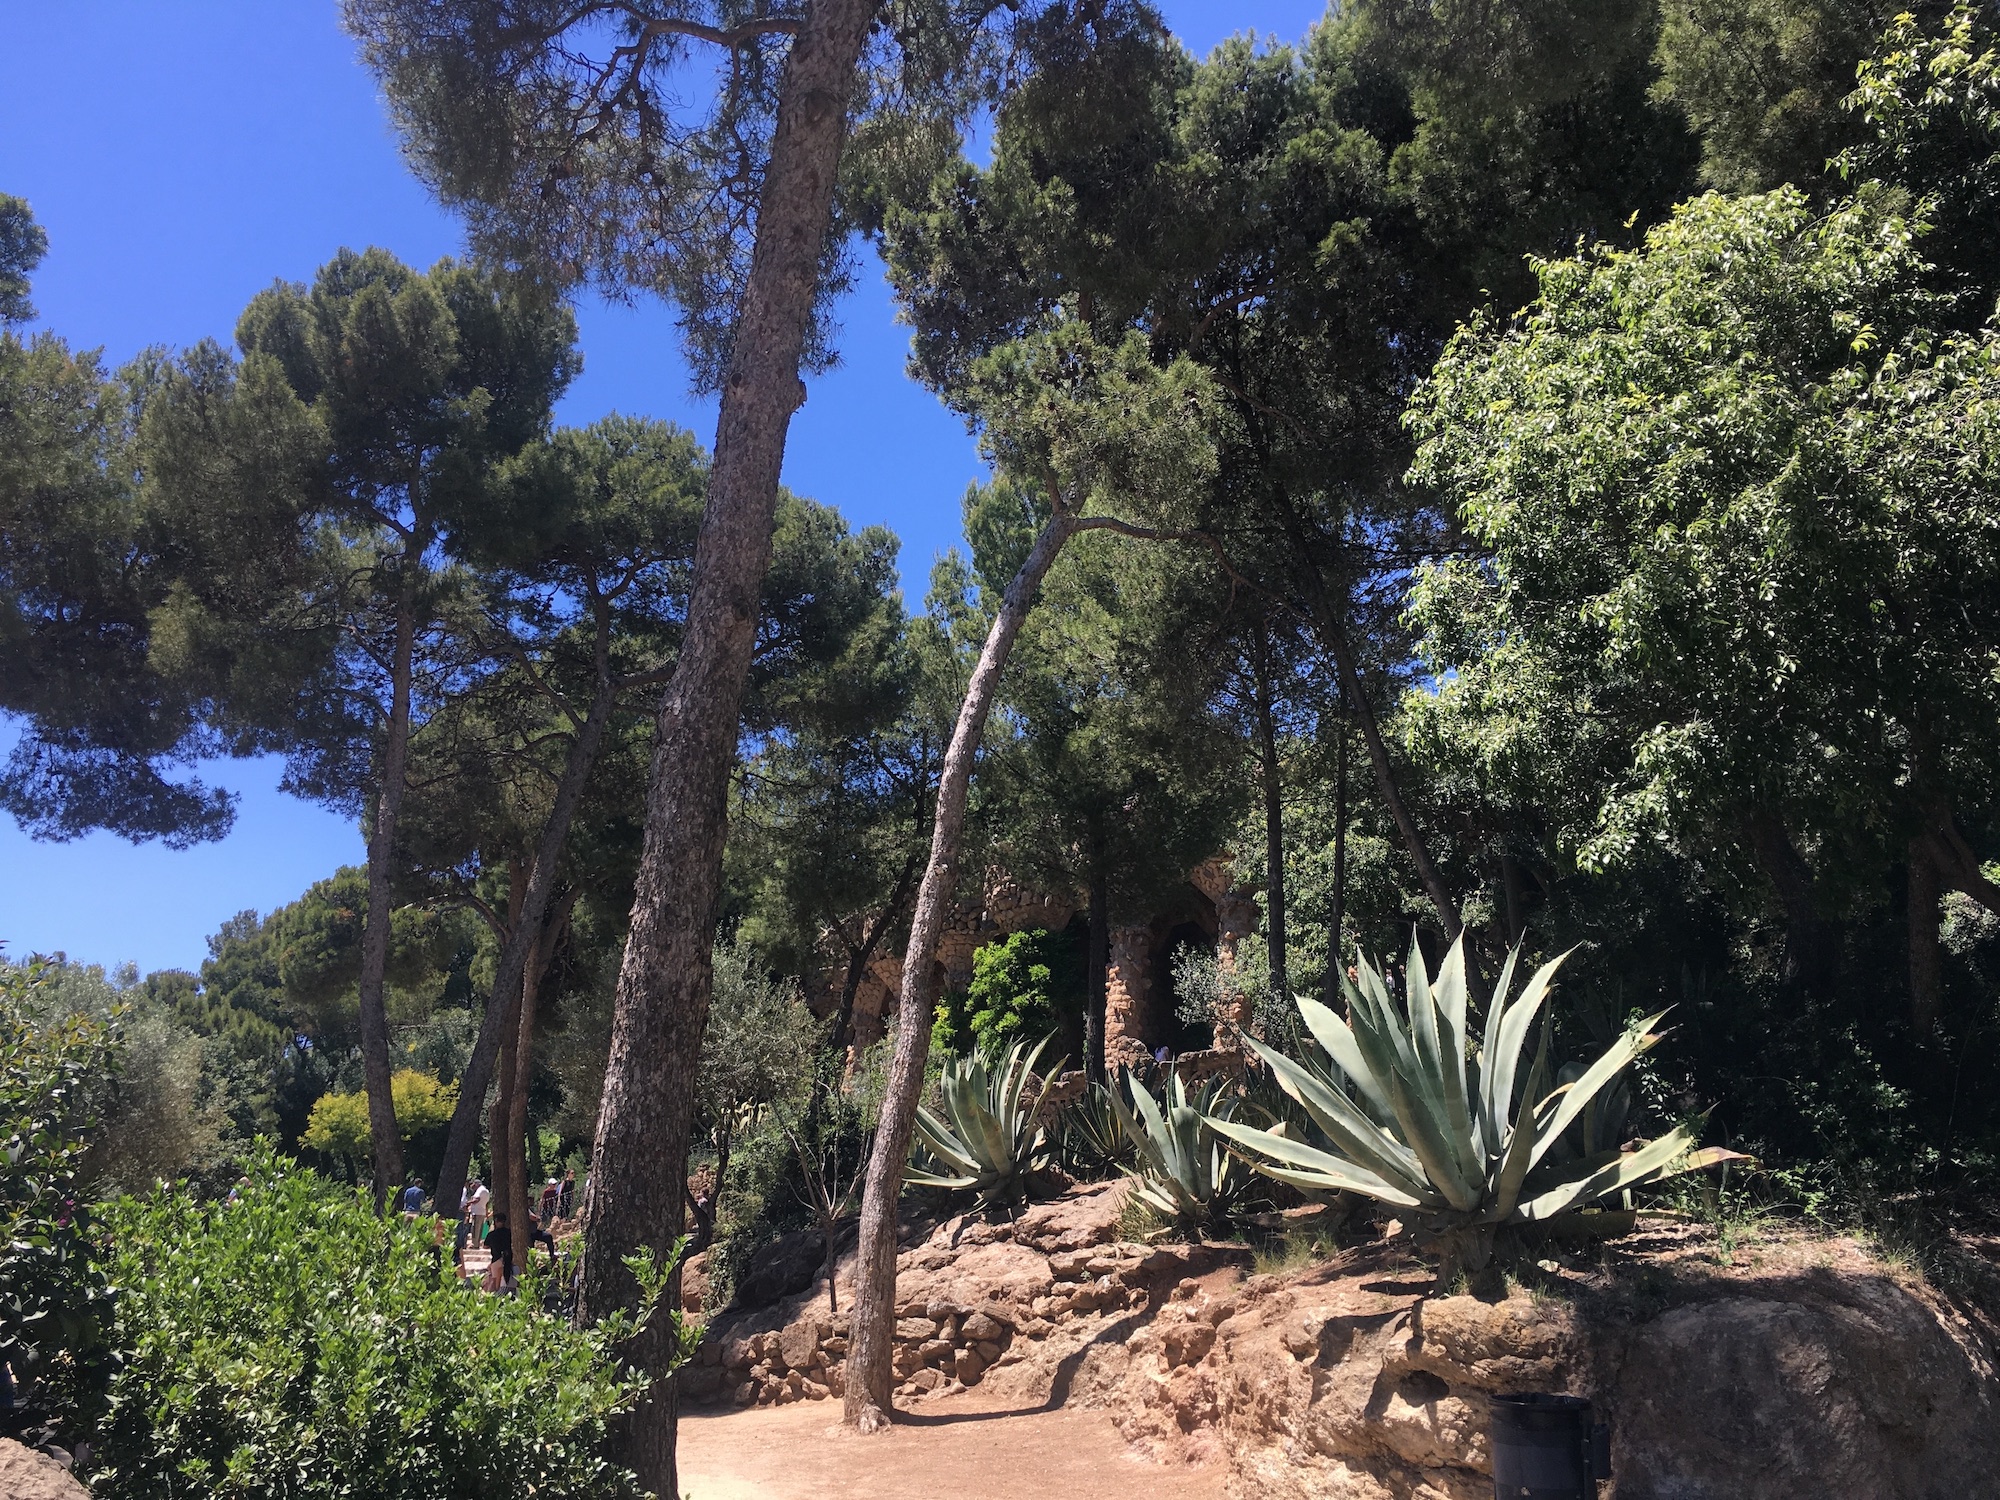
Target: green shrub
x=55, y=1301
x=293, y=1344
x=1018, y=989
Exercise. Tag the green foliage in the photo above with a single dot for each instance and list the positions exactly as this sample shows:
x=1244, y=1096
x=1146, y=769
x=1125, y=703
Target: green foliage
x=293, y=1343
x=988, y=1141
x=1183, y=1173
x=1417, y=1121
x=338, y=1124
x=55, y=1297
x=1022, y=986
x=23, y=243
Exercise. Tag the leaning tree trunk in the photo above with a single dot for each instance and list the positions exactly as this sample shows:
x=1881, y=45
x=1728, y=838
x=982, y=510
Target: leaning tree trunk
x=1274, y=824
x=639, y=1161
x=519, y=1189
x=868, y=1400
x=1335, y=958
x=385, y=1139
x=520, y=938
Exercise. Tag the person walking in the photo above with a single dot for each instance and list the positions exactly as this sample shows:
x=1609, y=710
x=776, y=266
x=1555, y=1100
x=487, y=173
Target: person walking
x=476, y=1208
x=413, y=1197
x=551, y=1197
x=566, y=1200
x=500, y=1275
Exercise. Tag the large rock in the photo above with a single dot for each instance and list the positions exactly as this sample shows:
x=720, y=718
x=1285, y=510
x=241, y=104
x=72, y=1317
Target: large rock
x=28, y=1475
x=785, y=1266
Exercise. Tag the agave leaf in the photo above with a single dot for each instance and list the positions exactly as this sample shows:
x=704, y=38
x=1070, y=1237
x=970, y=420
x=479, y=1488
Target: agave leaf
x=1513, y=1036
x=1492, y=1125
x=1520, y=1155
x=1665, y=1157
x=1334, y=1035
x=1436, y=1155
x=1617, y=1057
x=1333, y=1171
x=1370, y=1147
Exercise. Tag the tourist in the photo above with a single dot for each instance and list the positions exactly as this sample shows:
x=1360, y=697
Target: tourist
x=476, y=1206
x=461, y=1239
x=565, y=1204
x=500, y=1245
x=551, y=1197
x=541, y=1236
x=413, y=1197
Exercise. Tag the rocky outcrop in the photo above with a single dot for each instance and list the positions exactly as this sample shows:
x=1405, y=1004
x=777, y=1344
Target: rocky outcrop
x=1809, y=1371
x=28, y=1475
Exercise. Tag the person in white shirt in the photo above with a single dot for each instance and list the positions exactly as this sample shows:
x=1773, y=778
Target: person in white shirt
x=476, y=1207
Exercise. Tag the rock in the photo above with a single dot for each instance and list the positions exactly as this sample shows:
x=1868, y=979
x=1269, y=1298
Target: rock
x=988, y=1350
x=745, y=1393
x=967, y=1367
x=738, y=1354
x=812, y=1390
x=28, y=1475
x=697, y=1382
x=927, y=1380
x=694, y=1283
x=933, y=1351
x=834, y=1348
x=787, y=1265
x=982, y=1326
x=799, y=1343
x=914, y=1330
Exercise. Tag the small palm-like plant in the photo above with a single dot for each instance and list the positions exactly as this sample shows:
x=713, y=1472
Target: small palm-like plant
x=1416, y=1120
x=1090, y=1139
x=990, y=1141
x=1183, y=1172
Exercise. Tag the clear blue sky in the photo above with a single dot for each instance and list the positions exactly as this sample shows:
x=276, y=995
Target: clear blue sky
x=183, y=156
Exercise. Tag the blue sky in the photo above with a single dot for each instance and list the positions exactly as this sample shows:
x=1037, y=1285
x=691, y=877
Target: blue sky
x=184, y=156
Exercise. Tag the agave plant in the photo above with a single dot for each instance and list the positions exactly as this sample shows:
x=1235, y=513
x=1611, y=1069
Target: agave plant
x=990, y=1141
x=1416, y=1120
x=1089, y=1138
x=1183, y=1171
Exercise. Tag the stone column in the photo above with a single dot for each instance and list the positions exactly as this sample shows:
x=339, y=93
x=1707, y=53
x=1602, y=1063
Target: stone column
x=1128, y=995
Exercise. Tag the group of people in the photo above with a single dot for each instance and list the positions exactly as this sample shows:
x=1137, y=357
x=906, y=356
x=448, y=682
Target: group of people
x=482, y=1223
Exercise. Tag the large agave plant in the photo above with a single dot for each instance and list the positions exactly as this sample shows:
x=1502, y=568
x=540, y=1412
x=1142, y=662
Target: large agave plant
x=1417, y=1120
x=989, y=1141
x=1182, y=1170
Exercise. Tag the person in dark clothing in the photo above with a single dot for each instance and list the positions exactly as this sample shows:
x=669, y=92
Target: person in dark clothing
x=413, y=1197
x=541, y=1236
x=461, y=1236
x=500, y=1245
x=566, y=1199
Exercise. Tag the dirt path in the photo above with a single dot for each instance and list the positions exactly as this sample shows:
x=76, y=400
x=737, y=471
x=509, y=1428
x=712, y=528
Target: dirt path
x=950, y=1447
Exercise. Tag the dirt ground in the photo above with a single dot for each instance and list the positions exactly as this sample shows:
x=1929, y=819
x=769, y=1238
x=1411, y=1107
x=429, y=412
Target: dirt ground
x=949, y=1446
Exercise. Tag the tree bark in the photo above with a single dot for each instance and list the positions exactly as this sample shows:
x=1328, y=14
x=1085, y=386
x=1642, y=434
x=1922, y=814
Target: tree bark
x=1510, y=888
x=518, y=1192
x=868, y=1400
x=1926, y=953
x=1274, y=822
x=499, y=1125
x=639, y=1160
x=1809, y=942
x=520, y=938
x=385, y=1139
x=1335, y=957
x=1097, y=966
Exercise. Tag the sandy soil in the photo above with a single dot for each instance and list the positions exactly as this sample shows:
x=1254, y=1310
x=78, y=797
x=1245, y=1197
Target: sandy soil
x=949, y=1446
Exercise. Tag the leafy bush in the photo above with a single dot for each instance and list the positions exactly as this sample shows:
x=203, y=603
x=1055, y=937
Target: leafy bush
x=338, y=1124
x=1017, y=991
x=1415, y=1123
x=55, y=1300
x=293, y=1344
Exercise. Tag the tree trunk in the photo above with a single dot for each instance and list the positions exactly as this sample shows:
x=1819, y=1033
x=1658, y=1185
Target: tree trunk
x=1274, y=824
x=385, y=1139
x=1336, y=960
x=1926, y=953
x=1097, y=966
x=639, y=1161
x=1809, y=942
x=520, y=938
x=868, y=1401
x=522, y=1073
x=501, y=1147
x=1510, y=887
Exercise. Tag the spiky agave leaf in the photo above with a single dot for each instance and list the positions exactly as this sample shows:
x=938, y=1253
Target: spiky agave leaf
x=1182, y=1170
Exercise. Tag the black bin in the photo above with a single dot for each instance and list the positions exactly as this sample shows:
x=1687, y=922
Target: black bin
x=1547, y=1448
